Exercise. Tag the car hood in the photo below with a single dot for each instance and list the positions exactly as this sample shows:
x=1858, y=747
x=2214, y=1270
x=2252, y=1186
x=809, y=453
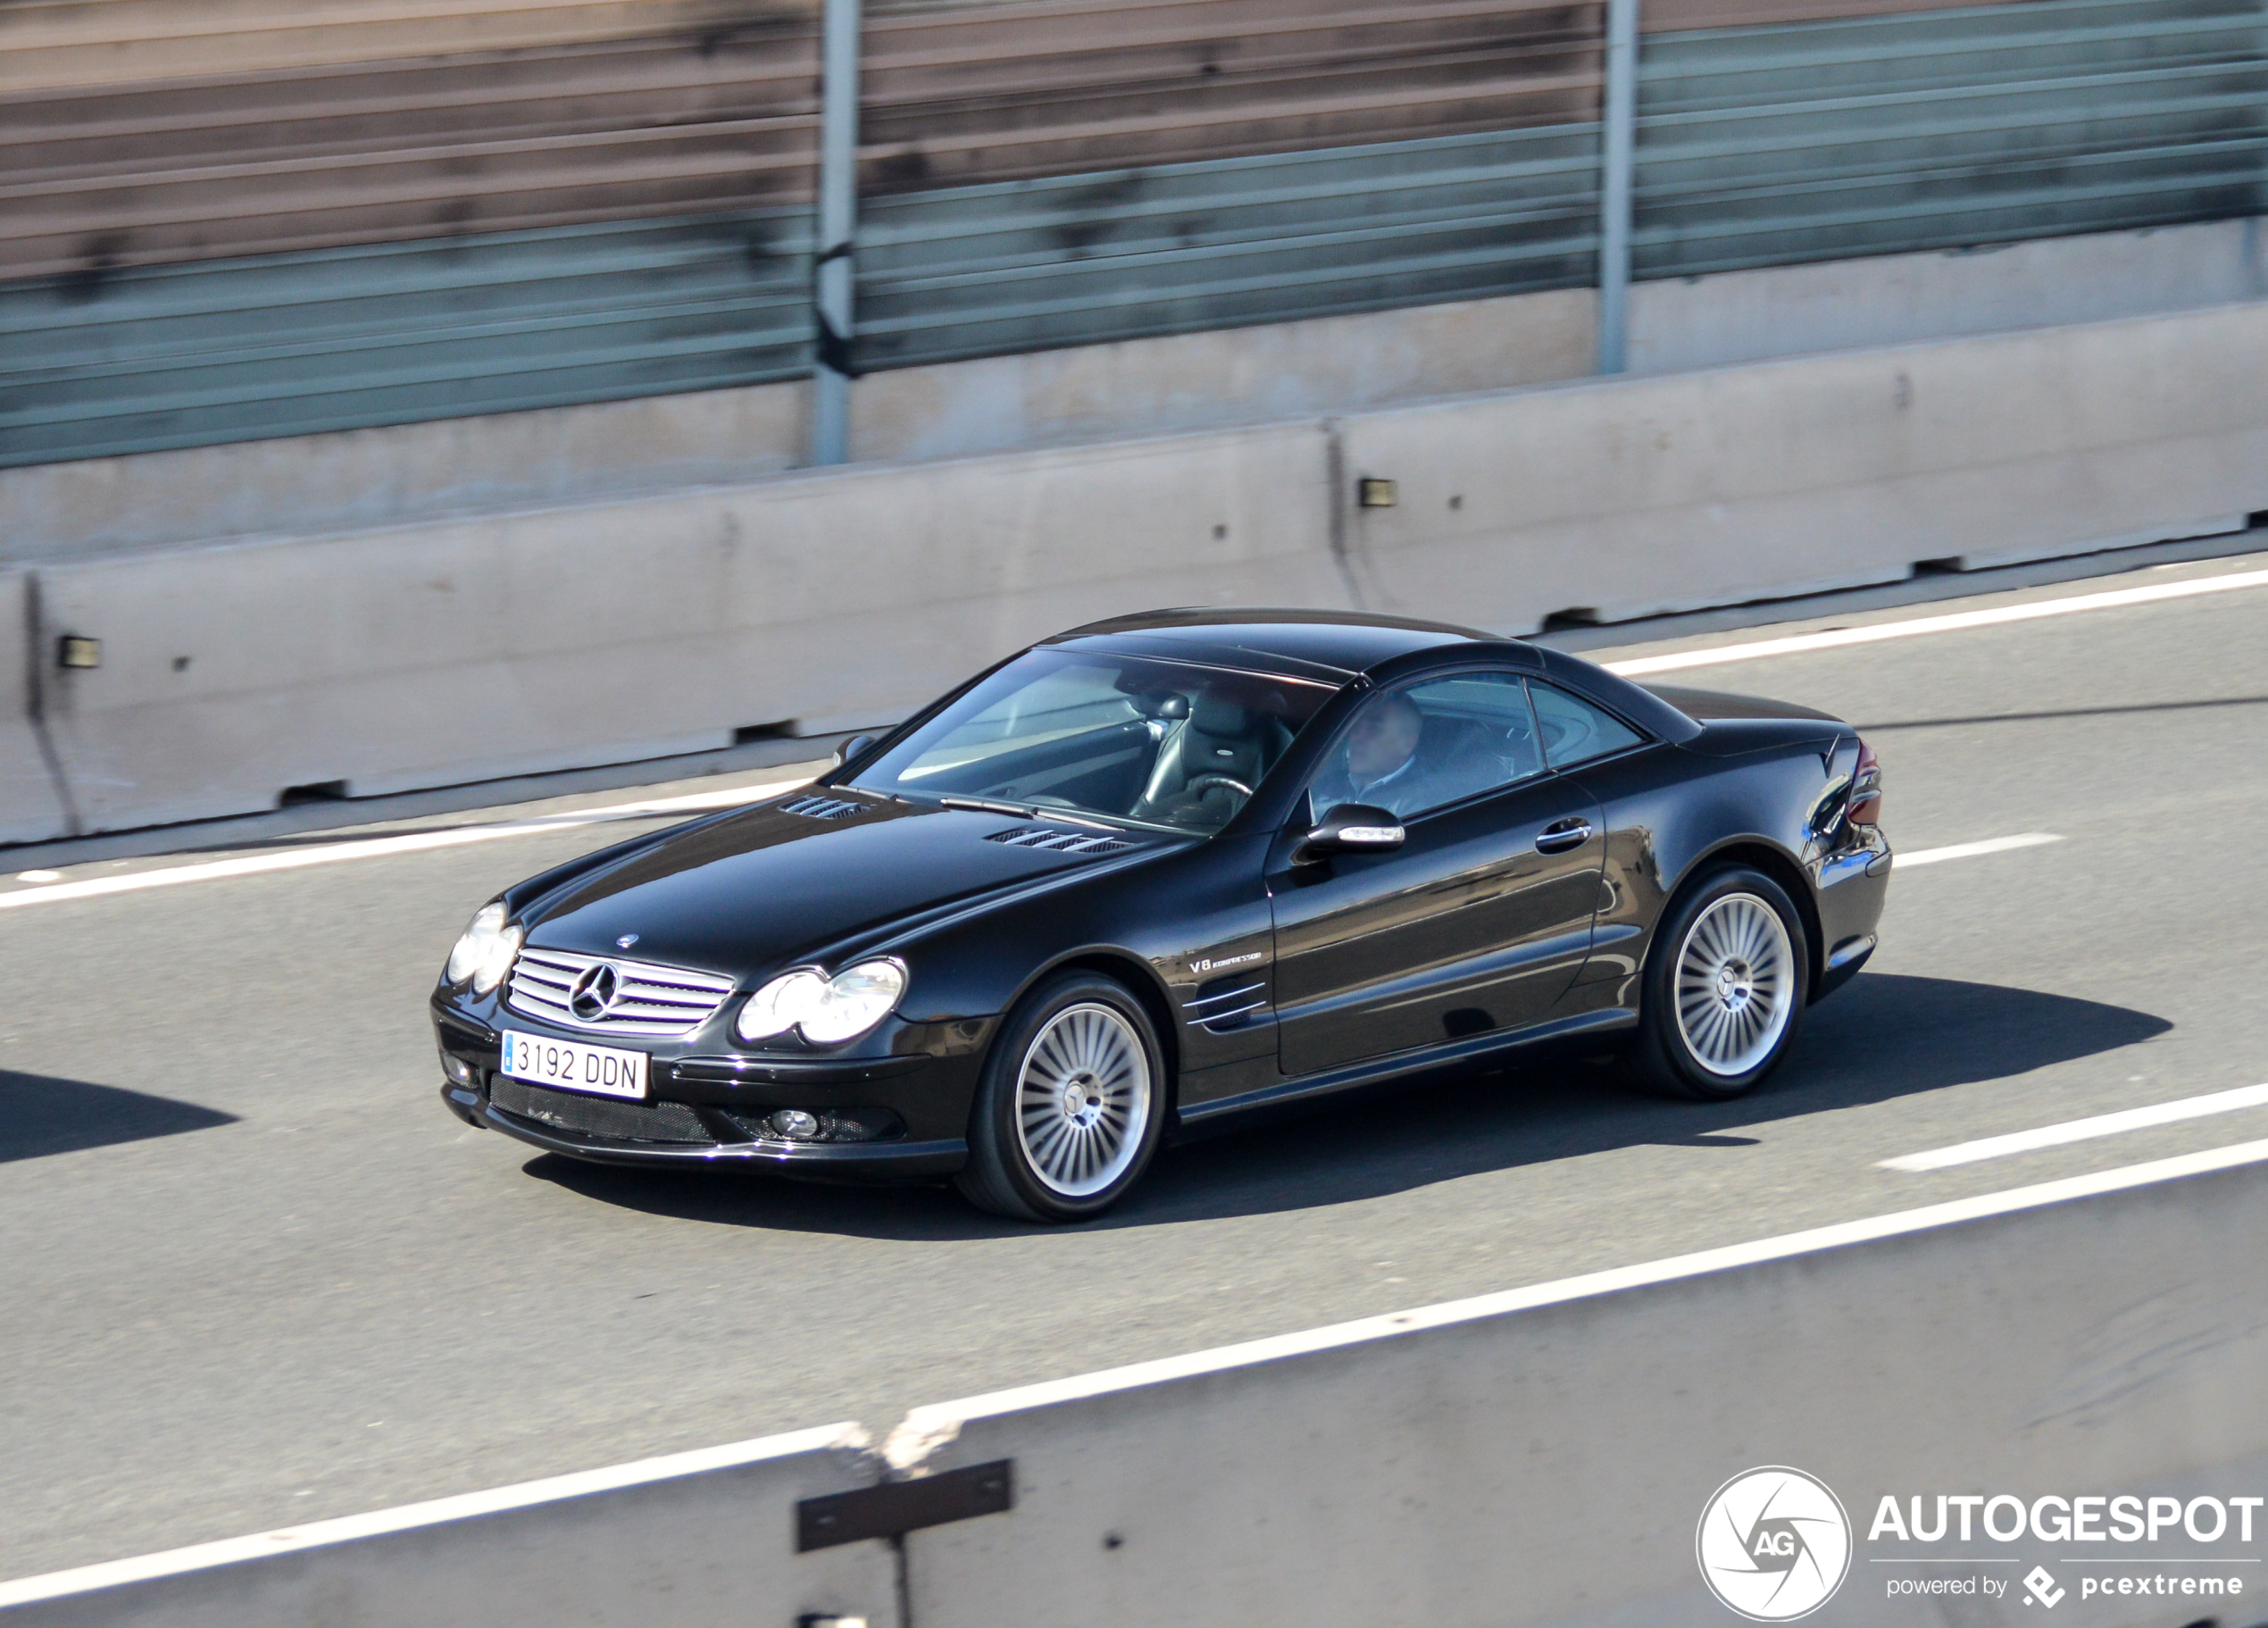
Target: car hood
x=766, y=887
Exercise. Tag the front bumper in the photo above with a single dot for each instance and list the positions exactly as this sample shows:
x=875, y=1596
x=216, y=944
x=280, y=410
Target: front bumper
x=704, y=1108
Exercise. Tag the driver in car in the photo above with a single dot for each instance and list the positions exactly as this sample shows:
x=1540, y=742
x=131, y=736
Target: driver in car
x=1380, y=764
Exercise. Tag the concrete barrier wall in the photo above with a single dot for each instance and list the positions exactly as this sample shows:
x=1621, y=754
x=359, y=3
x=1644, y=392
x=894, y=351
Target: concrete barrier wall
x=1544, y=1457
x=693, y=1540
x=607, y=633
x=1541, y=1456
x=1630, y=497
x=416, y=472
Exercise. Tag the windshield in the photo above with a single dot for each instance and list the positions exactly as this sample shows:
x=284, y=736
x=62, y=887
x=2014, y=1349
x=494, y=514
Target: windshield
x=1129, y=740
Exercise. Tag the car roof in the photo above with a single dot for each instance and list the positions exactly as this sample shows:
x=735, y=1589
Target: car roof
x=1337, y=645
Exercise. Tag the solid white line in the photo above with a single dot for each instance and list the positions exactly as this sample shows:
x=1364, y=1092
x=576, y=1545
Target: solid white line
x=925, y=1428
x=380, y=848
x=2083, y=1129
x=2029, y=612
x=1971, y=850
x=582, y=1483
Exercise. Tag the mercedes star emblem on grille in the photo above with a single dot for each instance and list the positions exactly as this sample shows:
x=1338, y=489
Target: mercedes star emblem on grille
x=594, y=992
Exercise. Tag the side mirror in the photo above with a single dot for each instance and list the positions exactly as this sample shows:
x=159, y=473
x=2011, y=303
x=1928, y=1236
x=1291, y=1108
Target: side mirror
x=1351, y=827
x=851, y=749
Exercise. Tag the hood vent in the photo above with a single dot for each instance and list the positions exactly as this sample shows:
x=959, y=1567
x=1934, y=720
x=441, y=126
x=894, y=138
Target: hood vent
x=1057, y=841
x=822, y=808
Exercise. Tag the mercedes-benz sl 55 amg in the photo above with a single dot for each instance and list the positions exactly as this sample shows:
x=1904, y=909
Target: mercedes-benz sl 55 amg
x=1159, y=872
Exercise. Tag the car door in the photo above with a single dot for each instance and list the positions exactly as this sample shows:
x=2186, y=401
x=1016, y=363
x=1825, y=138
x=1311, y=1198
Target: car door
x=1477, y=924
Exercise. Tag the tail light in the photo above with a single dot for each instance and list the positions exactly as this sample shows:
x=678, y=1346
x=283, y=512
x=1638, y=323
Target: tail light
x=1867, y=788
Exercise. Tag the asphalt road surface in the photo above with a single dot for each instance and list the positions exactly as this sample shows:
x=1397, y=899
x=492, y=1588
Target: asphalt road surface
x=252, y=1274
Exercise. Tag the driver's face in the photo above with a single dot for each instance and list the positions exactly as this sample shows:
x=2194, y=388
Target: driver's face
x=1382, y=739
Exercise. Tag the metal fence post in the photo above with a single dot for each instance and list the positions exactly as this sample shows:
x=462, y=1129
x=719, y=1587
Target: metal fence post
x=1618, y=150
x=837, y=221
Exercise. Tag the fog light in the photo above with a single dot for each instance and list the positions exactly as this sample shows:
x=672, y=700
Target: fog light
x=794, y=1124
x=456, y=1070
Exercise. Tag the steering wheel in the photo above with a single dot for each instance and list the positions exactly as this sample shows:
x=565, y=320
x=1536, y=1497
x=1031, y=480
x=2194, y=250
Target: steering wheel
x=1198, y=784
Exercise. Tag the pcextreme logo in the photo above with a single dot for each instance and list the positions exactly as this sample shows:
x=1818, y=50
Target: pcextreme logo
x=1774, y=1544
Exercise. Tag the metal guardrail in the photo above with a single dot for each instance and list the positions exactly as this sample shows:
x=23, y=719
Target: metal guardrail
x=1878, y=135
x=291, y=345
x=1752, y=146
x=1079, y=260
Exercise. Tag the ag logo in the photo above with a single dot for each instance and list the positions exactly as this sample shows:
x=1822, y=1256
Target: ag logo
x=1774, y=1544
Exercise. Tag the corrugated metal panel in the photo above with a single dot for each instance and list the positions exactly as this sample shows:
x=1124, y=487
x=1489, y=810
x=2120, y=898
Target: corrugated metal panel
x=1677, y=16
x=53, y=44
x=708, y=117
x=1820, y=141
x=977, y=94
x=291, y=345
x=315, y=159
x=984, y=271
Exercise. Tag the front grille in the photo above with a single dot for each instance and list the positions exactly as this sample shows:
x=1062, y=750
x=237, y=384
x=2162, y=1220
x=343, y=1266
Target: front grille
x=600, y=1116
x=648, y=1000
x=1059, y=842
x=822, y=808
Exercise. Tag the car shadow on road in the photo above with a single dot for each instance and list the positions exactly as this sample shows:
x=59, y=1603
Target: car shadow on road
x=41, y=1116
x=1886, y=1037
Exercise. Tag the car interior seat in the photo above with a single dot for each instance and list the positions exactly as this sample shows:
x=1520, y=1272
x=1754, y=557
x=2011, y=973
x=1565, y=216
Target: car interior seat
x=1218, y=738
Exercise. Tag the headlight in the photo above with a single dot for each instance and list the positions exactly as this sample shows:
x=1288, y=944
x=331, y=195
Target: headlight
x=780, y=1005
x=485, y=950
x=825, y=1009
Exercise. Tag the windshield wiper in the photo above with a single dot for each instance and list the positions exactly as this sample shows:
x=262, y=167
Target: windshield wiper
x=991, y=805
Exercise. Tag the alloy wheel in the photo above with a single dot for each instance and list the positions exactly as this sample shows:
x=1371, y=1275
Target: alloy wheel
x=1736, y=984
x=1083, y=1099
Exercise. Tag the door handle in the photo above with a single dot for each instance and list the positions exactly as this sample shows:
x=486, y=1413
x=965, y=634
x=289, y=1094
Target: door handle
x=1562, y=835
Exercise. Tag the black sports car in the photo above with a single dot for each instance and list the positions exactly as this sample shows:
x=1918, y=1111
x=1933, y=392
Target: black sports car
x=1165, y=870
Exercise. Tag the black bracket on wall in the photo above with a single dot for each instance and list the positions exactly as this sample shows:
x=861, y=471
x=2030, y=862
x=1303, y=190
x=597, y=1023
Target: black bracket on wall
x=897, y=1506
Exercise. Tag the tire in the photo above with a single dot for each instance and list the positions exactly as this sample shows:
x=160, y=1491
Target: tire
x=1725, y=987
x=1070, y=1105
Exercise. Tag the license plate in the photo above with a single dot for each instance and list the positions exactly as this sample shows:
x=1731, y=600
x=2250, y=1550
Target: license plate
x=572, y=1067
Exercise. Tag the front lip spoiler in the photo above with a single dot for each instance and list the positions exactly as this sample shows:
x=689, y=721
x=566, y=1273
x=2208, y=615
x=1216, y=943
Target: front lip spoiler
x=815, y=1161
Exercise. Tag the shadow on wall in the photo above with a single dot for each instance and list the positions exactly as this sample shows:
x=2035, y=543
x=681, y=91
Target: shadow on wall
x=1884, y=1037
x=39, y=1116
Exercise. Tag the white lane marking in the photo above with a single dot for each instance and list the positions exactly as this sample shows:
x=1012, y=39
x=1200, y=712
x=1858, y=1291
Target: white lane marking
x=925, y=1427
x=1972, y=850
x=582, y=1483
x=2029, y=612
x=2082, y=1130
x=378, y=848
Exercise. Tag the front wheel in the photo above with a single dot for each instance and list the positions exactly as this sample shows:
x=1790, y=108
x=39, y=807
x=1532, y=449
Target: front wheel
x=1070, y=1105
x=1725, y=987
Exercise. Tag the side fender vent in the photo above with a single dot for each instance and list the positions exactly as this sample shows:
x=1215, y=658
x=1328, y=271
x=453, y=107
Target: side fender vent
x=1057, y=841
x=822, y=808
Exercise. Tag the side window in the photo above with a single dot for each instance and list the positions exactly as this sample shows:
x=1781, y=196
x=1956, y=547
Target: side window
x=1413, y=749
x=1574, y=730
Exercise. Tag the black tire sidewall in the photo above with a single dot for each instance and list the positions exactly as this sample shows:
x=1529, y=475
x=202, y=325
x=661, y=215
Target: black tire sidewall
x=1000, y=1177
x=1663, y=1056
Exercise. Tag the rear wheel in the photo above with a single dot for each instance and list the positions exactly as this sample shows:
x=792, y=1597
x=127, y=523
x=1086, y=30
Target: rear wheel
x=1725, y=987
x=1070, y=1105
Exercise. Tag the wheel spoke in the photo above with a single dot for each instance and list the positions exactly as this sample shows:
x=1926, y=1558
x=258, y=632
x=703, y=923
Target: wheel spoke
x=1083, y=1099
